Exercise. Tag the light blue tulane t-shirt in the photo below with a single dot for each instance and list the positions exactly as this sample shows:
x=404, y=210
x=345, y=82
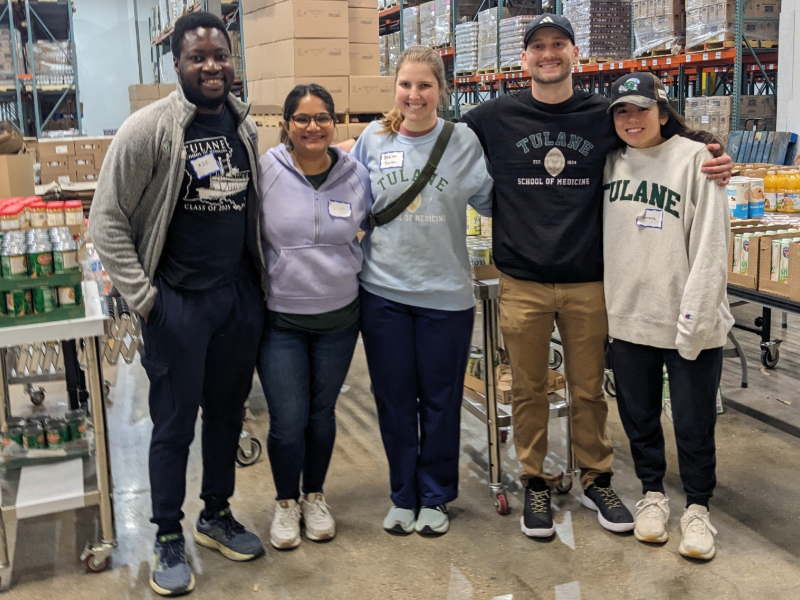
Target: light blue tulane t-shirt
x=420, y=258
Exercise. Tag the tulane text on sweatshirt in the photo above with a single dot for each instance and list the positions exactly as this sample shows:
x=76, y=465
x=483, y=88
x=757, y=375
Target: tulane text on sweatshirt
x=420, y=258
x=666, y=231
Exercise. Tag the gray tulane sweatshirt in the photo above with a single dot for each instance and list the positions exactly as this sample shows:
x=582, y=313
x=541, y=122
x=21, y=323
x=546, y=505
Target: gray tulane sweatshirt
x=665, y=246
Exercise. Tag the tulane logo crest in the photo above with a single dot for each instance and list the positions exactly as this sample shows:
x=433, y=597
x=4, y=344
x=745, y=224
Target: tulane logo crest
x=632, y=85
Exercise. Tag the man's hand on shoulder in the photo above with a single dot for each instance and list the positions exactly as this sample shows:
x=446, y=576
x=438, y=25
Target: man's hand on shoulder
x=719, y=168
x=346, y=145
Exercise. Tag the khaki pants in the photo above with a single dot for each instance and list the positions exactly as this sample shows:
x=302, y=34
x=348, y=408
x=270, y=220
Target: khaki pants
x=528, y=311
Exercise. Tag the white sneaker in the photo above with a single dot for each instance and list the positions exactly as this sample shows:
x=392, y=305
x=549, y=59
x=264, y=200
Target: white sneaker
x=400, y=521
x=652, y=515
x=284, y=533
x=319, y=523
x=697, y=533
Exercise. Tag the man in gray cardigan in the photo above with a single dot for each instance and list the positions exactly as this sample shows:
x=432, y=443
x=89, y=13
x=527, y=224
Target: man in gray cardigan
x=175, y=221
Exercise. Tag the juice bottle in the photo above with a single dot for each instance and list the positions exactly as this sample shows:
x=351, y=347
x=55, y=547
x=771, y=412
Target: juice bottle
x=780, y=189
x=793, y=188
x=770, y=192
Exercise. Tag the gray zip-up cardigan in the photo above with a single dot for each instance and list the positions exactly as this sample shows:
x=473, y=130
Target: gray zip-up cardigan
x=138, y=188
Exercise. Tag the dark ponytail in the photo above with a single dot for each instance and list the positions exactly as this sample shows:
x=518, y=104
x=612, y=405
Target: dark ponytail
x=293, y=100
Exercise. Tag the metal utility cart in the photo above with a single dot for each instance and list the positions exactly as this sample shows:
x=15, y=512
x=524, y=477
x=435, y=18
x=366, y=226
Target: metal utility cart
x=66, y=484
x=770, y=348
x=497, y=416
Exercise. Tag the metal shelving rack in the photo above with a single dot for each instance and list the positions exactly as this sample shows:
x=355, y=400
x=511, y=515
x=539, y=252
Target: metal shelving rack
x=231, y=15
x=51, y=21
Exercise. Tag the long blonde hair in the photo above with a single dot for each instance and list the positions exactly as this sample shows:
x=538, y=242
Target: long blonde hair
x=416, y=54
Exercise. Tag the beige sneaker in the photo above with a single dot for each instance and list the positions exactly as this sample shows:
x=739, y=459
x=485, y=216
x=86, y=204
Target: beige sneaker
x=317, y=519
x=697, y=533
x=284, y=533
x=652, y=515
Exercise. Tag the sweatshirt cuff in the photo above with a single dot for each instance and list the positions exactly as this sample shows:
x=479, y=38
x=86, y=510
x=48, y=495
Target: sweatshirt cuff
x=146, y=305
x=688, y=347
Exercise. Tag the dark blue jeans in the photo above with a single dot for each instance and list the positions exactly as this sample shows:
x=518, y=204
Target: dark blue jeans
x=301, y=374
x=417, y=358
x=638, y=372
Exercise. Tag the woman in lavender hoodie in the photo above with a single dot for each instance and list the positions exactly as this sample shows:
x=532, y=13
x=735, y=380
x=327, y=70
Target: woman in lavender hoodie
x=313, y=197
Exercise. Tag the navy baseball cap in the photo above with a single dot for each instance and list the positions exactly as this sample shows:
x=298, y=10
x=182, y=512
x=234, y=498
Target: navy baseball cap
x=549, y=20
x=642, y=89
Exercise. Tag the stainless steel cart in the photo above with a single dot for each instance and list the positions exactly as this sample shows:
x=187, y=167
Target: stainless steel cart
x=497, y=416
x=90, y=475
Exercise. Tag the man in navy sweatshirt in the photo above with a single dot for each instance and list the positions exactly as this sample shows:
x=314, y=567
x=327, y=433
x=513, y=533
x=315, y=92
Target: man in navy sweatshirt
x=547, y=148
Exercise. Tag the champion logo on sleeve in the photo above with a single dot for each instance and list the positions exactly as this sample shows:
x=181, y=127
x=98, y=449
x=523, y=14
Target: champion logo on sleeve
x=687, y=316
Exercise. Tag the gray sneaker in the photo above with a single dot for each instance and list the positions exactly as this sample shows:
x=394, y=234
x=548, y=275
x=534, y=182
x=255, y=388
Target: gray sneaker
x=399, y=521
x=224, y=533
x=433, y=520
x=171, y=575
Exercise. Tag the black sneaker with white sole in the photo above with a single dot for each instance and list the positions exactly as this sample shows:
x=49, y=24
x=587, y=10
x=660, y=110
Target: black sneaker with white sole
x=537, y=516
x=611, y=512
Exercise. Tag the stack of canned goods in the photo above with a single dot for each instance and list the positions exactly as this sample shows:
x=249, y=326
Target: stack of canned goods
x=42, y=431
x=39, y=253
x=479, y=250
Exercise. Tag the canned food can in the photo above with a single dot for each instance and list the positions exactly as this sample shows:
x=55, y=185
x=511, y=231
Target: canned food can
x=474, y=363
x=70, y=295
x=76, y=424
x=44, y=300
x=40, y=260
x=57, y=433
x=18, y=303
x=737, y=251
x=739, y=197
x=473, y=222
x=14, y=263
x=480, y=256
x=744, y=260
x=33, y=437
x=11, y=437
x=486, y=226
x=755, y=206
x=775, y=263
x=783, y=272
x=65, y=261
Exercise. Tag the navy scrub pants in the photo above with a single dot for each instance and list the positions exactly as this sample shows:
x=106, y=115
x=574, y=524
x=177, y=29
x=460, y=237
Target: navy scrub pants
x=200, y=350
x=417, y=358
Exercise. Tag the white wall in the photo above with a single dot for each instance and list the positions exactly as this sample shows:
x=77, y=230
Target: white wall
x=789, y=67
x=105, y=41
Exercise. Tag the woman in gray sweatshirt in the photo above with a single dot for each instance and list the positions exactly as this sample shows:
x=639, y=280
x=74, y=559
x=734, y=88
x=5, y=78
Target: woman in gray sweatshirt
x=665, y=248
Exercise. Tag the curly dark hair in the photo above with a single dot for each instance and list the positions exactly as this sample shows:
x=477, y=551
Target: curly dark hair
x=194, y=21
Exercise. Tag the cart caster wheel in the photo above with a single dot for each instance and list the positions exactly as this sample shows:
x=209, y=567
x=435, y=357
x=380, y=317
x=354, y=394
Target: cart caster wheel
x=37, y=396
x=504, y=436
x=94, y=566
x=770, y=362
x=501, y=503
x=255, y=454
x=758, y=321
x=561, y=487
x=558, y=360
x=609, y=388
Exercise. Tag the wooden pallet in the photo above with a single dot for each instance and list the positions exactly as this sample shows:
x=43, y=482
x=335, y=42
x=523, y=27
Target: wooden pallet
x=487, y=71
x=511, y=69
x=763, y=43
x=353, y=118
x=656, y=53
x=465, y=73
x=712, y=46
x=596, y=60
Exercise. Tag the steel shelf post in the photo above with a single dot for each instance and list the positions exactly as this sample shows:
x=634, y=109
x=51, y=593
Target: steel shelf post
x=737, y=65
x=75, y=68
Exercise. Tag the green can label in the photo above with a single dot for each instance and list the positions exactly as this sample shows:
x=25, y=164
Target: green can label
x=40, y=264
x=77, y=429
x=56, y=439
x=14, y=267
x=19, y=303
x=70, y=295
x=65, y=261
x=33, y=439
x=44, y=301
x=12, y=436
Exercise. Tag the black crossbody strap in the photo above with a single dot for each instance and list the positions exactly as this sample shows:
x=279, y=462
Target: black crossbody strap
x=406, y=198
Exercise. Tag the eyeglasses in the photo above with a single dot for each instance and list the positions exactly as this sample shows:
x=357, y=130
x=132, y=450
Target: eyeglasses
x=302, y=121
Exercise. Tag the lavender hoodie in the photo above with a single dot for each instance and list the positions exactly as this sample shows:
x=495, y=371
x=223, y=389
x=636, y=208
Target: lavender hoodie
x=309, y=236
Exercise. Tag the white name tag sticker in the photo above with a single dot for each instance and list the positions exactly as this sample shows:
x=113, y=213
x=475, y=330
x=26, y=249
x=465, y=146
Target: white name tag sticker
x=652, y=218
x=392, y=160
x=205, y=166
x=340, y=210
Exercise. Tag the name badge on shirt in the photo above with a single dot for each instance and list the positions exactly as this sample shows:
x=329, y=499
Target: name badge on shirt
x=205, y=166
x=392, y=160
x=653, y=218
x=340, y=210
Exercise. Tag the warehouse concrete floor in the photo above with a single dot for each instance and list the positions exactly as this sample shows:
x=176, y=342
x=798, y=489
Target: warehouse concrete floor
x=484, y=556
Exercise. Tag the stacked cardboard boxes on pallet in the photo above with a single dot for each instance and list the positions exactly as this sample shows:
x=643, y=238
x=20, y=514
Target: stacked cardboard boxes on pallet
x=76, y=160
x=444, y=23
x=761, y=111
x=411, y=27
x=713, y=114
x=713, y=23
x=512, y=36
x=427, y=24
x=602, y=27
x=466, y=57
x=144, y=94
x=7, y=51
x=659, y=27
x=333, y=43
x=487, y=40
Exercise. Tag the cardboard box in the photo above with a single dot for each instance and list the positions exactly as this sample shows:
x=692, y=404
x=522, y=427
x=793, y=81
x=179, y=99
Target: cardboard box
x=361, y=4
x=56, y=148
x=16, y=175
x=262, y=92
x=363, y=25
x=485, y=272
x=143, y=91
x=268, y=137
x=87, y=146
x=139, y=104
x=371, y=94
x=338, y=88
x=365, y=59
x=249, y=6
x=56, y=175
x=751, y=279
x=299, y=58
x=76, y=162
x=791, y=288
x=311, y=19
x=165, y=89
x=85, y=175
